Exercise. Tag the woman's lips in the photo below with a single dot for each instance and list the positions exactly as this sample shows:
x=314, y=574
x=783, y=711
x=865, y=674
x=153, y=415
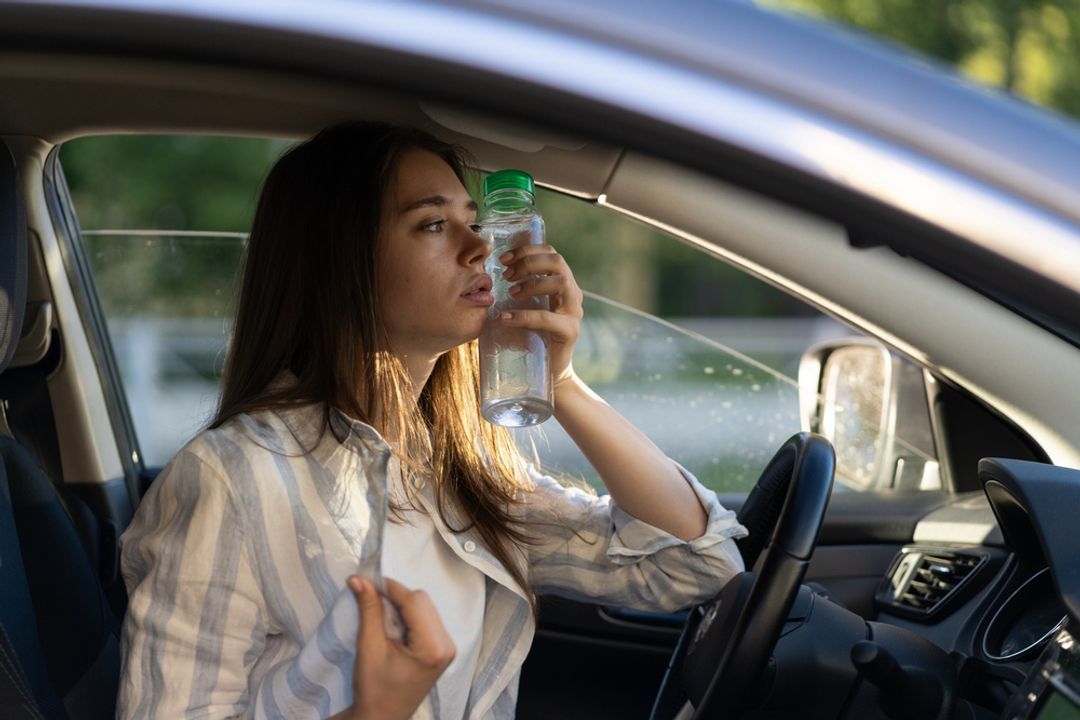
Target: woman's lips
x=479, y=292
x=484, y=298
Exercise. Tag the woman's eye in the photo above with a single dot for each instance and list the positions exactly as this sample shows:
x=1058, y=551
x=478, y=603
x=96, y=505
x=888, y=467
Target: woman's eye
x=434, y=227
x=475, y=227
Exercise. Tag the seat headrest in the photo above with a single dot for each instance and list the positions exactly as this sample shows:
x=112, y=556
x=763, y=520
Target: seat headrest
x=12, y=257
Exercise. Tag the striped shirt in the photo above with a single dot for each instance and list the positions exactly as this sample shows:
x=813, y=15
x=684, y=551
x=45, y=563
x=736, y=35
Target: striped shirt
x=236, y=561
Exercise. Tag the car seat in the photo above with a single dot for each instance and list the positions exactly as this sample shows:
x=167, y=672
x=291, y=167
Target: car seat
x=59, y=638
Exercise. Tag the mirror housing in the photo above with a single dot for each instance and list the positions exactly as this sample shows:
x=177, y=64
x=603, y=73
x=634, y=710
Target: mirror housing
x=872, y=406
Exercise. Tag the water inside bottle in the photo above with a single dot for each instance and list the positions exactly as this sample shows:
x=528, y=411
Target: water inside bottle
x=517, y=412
x=505, y=236
x=515, y=380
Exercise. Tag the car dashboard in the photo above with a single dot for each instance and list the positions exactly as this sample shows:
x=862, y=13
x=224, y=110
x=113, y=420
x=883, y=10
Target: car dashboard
x=993, y=579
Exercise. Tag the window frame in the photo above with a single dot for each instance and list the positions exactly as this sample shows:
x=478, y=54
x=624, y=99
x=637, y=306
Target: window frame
x=84, y=290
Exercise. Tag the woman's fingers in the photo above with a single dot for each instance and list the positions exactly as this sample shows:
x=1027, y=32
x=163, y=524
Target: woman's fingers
x=562, y=328
x=546, y=272
x=510, y=256
x=391, y=679
x=372, y=635
x=566, y=293
x=428, y=638
x=534, y=260
x=546, y=285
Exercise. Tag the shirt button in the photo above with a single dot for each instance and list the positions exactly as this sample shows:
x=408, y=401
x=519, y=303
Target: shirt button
x=469, y=546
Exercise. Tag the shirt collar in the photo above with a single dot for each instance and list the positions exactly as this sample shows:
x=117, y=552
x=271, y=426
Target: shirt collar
x=305, y=422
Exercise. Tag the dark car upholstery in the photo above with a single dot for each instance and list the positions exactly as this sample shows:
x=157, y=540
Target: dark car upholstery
x=61, y=638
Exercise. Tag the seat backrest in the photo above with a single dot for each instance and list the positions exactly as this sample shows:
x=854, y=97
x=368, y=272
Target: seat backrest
x=17, y=617
x=77, y=634
x=53, y=611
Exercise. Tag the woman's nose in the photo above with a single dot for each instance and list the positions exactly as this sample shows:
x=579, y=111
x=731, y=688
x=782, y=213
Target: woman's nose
x=475, y=248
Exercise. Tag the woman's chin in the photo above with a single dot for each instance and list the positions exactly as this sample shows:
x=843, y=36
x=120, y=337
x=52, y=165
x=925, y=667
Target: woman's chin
x=468, y=336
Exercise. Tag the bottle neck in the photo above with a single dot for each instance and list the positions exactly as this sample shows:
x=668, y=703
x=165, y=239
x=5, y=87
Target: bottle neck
x=508, y=201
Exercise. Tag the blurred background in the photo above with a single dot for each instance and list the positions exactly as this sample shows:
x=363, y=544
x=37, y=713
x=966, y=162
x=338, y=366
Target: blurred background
x=701, y=355
x=1028, y=48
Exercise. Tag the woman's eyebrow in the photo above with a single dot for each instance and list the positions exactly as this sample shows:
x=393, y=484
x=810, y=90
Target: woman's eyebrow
x=434, y=201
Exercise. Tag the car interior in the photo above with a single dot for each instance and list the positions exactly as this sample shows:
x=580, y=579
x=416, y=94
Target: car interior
x=946, y=592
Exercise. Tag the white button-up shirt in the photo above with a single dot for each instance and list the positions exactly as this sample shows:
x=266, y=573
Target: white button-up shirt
x=236, y=561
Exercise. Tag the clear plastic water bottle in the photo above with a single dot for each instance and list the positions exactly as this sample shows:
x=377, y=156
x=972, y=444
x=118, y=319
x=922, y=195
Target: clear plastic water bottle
x=515, y=372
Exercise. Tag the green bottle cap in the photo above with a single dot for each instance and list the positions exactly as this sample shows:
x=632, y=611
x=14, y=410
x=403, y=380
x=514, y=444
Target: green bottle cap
x=508, y=180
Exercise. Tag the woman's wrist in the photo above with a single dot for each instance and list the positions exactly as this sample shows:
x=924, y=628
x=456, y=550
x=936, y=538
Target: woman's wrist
x=573, y=398
x=566, y=379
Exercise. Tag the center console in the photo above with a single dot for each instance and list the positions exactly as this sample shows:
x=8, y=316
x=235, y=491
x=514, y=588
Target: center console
x=1052, y=690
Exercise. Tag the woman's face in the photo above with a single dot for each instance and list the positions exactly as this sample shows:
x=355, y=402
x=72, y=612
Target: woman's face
x=430, y=258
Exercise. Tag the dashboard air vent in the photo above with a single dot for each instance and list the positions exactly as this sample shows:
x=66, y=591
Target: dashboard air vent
x=922, y=581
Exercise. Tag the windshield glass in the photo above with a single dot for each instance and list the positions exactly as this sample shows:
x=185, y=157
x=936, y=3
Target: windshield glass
x=718, y=412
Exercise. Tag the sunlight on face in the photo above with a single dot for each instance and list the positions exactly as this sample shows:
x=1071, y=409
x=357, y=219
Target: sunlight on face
x=430, y=255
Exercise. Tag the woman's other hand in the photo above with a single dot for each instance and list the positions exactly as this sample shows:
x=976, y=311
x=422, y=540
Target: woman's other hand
x=562, y=322
x=391, y=678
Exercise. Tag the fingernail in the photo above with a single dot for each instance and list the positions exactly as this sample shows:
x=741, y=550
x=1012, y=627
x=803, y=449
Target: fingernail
x=507, y=316
x=515, y=289
x=509, y=273
x=356, y=585
x=506, y=257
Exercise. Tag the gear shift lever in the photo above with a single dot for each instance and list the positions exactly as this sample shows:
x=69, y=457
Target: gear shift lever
x=905, y=692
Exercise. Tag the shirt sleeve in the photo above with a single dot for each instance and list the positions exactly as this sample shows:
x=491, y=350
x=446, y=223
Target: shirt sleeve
x=195, y=619
x=588, y=548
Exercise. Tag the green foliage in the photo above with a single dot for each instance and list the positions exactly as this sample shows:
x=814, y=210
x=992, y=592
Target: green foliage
x=165, y=276
x=1027, y=47
x=181, y=182
x=176, y=184
x=626, y=260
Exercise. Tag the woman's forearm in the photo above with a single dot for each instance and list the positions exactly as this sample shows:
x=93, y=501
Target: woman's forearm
x=641, y=479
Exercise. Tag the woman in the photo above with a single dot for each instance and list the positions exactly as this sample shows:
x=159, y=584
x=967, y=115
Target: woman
x=351, y=387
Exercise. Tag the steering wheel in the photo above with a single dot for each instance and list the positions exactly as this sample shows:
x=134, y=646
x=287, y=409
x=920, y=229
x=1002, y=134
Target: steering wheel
x=726, y=642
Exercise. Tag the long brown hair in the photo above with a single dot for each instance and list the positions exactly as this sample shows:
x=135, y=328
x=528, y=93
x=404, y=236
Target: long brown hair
x=309, y=303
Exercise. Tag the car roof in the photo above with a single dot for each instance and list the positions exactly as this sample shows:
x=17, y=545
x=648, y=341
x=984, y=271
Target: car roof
x=861, y=80
x=866, y=84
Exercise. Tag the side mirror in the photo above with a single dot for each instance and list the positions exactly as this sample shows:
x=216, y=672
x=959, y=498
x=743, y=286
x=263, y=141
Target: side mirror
x=872, y=406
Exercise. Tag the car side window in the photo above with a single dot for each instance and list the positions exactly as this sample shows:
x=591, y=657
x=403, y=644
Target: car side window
x=164, y=220
x=712, y=364
x=701, y=356
x=167, y=298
